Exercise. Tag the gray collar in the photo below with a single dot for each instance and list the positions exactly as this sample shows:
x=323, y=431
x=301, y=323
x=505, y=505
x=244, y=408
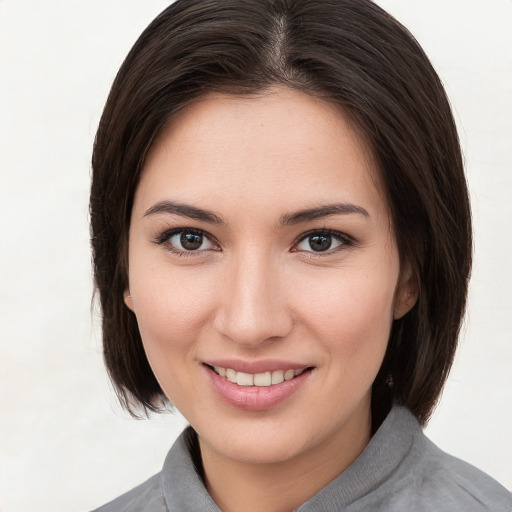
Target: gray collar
x=393, y=442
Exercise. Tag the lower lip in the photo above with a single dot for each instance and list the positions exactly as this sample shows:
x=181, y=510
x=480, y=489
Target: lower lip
x=255, y=398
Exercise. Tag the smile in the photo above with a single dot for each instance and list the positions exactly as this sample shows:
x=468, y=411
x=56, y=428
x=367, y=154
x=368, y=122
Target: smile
x=264, y=379
x=256, y=389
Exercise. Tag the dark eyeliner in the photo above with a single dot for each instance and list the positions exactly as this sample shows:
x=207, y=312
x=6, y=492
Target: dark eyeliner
x=166, y=235
x=344, y=239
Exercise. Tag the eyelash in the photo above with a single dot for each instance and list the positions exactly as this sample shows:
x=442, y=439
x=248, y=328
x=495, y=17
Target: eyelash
x=165, y=237
x=344, y=240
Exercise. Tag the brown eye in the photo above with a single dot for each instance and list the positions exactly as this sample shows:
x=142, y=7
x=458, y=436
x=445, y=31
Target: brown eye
x=319, y=243
x=188, y=240
x=191, y=241
x=323, y=241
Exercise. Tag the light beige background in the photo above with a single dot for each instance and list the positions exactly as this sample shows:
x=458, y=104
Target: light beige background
x=64, y=443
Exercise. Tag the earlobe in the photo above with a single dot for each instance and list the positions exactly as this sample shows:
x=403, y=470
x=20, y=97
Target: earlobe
x=406, y=296
x=128, y=299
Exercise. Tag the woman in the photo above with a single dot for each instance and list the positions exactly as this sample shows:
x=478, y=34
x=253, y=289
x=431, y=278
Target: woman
x=282, y=245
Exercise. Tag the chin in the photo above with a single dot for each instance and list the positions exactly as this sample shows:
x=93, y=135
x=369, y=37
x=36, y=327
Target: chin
x=259, y=450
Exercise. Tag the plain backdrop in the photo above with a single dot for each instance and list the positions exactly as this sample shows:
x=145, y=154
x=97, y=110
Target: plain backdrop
x=65, y=444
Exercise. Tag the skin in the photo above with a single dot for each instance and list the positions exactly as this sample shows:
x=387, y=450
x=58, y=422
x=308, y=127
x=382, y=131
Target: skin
x=256, y=290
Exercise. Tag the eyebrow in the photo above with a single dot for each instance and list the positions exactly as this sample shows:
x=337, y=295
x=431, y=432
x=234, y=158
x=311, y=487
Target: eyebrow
x=291, y=219
x=184, y=210
x=322, y=211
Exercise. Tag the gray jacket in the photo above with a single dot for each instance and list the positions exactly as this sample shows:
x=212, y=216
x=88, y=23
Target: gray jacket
x=399, y=471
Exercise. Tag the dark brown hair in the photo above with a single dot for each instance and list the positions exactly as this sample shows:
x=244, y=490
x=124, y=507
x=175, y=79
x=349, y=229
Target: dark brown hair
x=349, y=52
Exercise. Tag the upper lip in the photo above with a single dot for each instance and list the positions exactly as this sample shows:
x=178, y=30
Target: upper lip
x=254, y=367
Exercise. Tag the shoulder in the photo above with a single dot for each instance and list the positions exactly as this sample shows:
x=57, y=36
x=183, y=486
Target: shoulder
x=438, y=481
x=453, y=484
x=146, y=497
x=401, y=470
x=177, y=488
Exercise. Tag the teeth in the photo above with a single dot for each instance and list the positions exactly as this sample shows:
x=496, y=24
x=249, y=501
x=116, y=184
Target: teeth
x=263, y=379
x=221, y=371
x=277, y=377
x=244, y=379
x=258, y=379
x=289, y=374
x=231, y=375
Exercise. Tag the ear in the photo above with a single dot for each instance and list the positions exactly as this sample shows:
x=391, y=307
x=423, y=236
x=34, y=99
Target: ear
x=128, y=299
x=406, y=293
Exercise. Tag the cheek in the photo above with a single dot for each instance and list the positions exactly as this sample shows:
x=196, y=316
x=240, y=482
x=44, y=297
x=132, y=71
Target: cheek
x=167, y=313
x=171, y=306
x=171, y=312
x=353, y=313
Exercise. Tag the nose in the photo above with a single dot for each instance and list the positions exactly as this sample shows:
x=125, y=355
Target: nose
x=253, y=307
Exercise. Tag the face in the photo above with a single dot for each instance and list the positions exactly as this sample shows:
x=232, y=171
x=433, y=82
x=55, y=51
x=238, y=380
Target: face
x=264, y=274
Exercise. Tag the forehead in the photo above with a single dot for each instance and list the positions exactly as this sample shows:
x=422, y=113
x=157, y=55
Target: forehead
x=279, y=145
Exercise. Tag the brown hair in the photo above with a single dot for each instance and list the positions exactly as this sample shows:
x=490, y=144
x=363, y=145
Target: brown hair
x=349, y=52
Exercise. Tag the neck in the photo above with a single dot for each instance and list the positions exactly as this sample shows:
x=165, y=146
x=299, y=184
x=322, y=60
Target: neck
x=280, y=486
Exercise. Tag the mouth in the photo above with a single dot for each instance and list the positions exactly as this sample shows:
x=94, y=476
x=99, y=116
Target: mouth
x=273, y=383
x=264, y=379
